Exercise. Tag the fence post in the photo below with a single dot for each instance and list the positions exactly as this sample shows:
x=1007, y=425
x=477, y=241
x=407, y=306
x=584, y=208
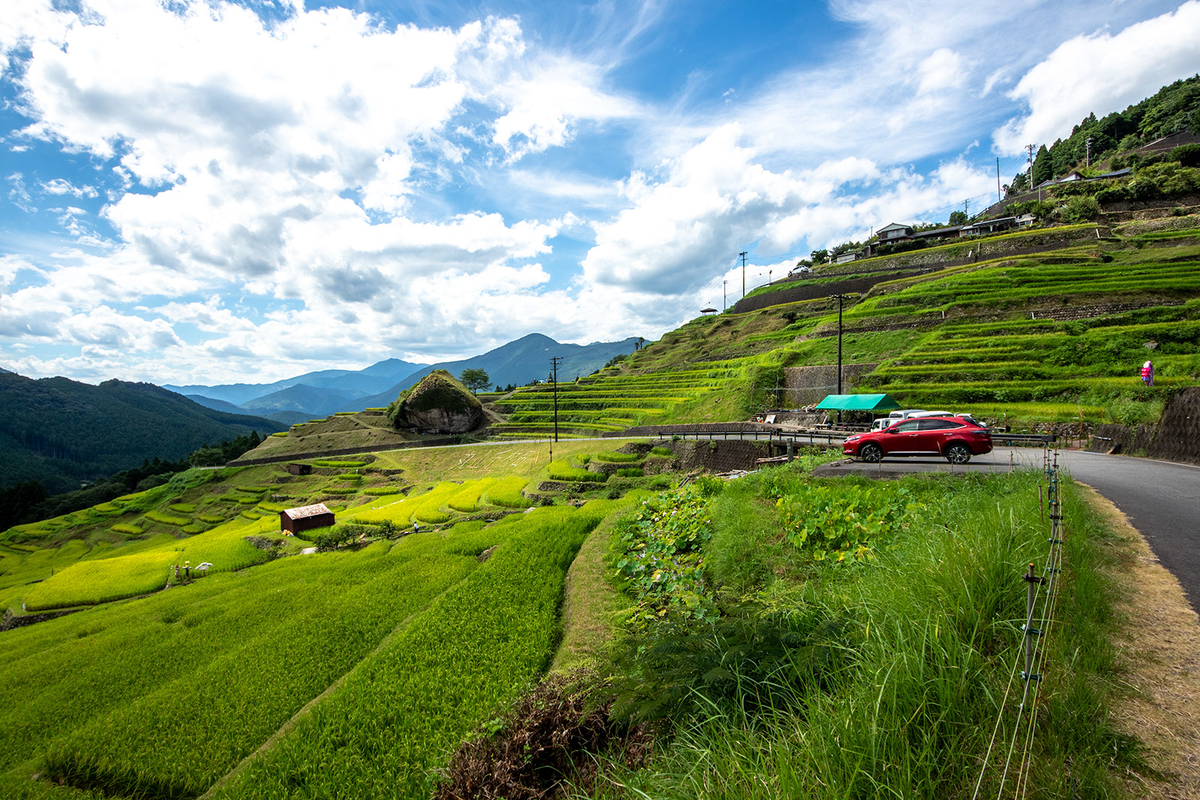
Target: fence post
x=1032, y=581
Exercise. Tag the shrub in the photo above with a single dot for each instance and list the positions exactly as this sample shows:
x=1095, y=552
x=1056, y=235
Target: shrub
x=1187, y=154
x=332, y=538
x=1081, y=209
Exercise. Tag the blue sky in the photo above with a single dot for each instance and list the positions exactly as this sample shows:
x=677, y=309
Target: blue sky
x=210, y=192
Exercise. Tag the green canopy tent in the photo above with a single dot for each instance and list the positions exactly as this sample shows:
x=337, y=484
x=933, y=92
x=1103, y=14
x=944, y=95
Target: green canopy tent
x=857, y=402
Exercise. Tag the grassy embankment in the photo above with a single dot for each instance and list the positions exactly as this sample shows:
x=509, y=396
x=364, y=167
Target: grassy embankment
x=779, y=670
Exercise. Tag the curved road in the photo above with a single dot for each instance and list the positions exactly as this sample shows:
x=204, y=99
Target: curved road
x=1161, y=498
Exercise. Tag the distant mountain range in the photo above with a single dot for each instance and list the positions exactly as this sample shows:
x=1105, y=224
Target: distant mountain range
x=347, y=383
x=318, y=394
x=62, y=432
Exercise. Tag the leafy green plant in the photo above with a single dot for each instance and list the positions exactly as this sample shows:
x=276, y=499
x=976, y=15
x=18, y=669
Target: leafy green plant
x=658, y=553
x=844, y=522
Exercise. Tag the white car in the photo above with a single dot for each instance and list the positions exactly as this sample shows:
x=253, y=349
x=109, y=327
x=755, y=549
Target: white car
x=899, y=416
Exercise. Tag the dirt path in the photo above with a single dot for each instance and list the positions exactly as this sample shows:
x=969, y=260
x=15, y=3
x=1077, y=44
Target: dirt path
x=1159, y=649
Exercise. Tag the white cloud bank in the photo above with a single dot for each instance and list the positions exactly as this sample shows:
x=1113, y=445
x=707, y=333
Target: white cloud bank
x=322, y=190
x=1100, y=73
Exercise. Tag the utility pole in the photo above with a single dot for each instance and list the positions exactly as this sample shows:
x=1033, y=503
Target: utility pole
x=743, y=255
x=555, y=361
x=1088, y=162
x=724, y=295
x=839, y=298
x=1030, y=148
x=999, y=197
x=967, y=207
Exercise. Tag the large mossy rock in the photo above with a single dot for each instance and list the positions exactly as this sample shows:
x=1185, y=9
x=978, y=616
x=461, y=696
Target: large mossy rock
x=438, y=404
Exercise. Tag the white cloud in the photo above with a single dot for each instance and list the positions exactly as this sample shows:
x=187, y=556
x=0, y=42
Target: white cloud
x=60, y=186
x=716, y=199
x=942, y=69
x=542, y=107
x=328, y=190
x=1100, y=73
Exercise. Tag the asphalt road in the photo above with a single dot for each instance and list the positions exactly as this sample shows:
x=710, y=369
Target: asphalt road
x=1161, y=498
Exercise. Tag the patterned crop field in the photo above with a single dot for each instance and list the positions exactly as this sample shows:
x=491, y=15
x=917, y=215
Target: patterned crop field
x=155, y=698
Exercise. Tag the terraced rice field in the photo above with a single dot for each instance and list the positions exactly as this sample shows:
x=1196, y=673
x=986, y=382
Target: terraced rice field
x=1032, y=360
x=608, y=403
x=156, y=699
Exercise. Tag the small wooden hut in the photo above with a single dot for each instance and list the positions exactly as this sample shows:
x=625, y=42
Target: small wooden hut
x=305, y=518
x=300, y=469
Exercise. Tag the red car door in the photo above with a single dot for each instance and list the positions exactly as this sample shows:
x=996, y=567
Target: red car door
x=903, y=440
x=933, y=432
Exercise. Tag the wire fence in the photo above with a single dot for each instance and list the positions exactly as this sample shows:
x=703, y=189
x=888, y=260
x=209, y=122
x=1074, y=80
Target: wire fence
x=1042, y=596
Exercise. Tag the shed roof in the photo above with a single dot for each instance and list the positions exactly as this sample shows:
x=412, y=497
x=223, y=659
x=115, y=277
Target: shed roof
x=858, y=402
x=303, y=512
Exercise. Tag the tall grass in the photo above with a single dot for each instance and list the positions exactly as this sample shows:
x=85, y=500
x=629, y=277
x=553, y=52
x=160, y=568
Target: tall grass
x=908, y=707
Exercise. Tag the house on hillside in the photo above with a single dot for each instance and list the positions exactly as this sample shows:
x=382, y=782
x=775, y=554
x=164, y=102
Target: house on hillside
x=848, y=256
x=894, y=233
x=937, y=234
x=305, y=518
x=989, y=226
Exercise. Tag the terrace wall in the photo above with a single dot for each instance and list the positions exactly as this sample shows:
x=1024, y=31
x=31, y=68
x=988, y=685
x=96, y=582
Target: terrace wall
x=693, y=427
x=818, y=290
x=1121, y=439
x=805, y=386
x=1178, y=434
x=1176, y=437
x=917, y=262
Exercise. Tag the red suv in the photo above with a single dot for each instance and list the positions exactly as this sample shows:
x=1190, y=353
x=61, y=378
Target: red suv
x=952, y=437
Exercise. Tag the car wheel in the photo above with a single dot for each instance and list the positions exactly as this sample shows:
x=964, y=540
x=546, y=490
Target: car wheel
x=870, y=452
x=958, y=453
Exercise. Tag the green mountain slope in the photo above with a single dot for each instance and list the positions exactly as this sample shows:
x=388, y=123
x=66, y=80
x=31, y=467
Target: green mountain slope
x=1047, y=324
x=61, y=432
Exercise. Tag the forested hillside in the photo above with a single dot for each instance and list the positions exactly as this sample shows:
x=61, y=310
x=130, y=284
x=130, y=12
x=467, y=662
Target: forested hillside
x=61, y=432
x=1174, y=109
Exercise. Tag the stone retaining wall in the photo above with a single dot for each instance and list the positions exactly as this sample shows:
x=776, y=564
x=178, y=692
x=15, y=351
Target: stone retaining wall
x=1176, y=437
x=804, y=386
